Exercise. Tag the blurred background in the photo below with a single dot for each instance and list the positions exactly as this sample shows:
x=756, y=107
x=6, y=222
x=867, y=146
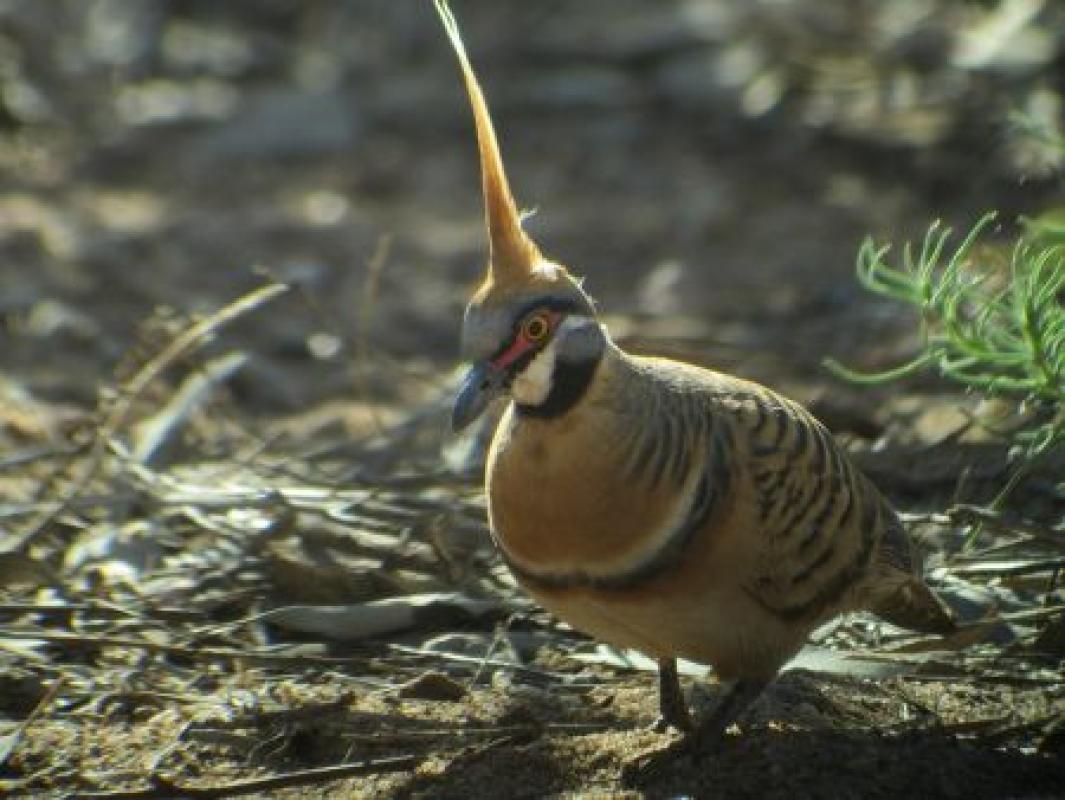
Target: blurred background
x=709, y=165
x=243, y=555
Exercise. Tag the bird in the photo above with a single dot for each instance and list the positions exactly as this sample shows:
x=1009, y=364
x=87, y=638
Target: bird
x=657, y=505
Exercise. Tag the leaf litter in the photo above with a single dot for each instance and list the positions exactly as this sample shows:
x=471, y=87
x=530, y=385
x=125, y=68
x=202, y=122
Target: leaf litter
x=272, y=623
x=152, y=545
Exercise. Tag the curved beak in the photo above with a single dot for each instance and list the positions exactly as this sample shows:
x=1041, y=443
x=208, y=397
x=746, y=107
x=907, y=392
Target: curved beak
x=481, y=385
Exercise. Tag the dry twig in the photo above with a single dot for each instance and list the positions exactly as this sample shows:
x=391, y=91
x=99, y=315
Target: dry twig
x=179, y=347
x=163, y=788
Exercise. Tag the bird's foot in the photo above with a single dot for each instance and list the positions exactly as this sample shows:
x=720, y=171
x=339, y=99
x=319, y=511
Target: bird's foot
x=653, y=765
x=663, y=725
x=698, y=742
x=712, y=729
x=647, y=767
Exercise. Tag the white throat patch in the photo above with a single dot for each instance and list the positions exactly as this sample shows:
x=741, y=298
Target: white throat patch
x=533, y=384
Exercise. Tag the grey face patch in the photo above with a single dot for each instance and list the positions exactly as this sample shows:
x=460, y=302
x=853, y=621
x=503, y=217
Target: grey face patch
x=484, y=330
x=580, y=338
x=487, y=327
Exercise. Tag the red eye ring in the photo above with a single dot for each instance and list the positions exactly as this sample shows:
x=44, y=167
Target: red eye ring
x=536, y=327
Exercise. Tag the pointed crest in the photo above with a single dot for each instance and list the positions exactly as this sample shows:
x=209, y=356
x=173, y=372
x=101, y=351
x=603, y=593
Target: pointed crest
x=513, y=255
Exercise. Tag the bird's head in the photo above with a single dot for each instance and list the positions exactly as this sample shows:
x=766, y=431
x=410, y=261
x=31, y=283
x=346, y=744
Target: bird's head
x=530, y=329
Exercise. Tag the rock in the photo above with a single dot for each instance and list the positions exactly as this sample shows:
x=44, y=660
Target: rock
x=433, y=686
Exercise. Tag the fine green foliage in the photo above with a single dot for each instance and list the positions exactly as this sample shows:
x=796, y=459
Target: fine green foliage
x=997, y=330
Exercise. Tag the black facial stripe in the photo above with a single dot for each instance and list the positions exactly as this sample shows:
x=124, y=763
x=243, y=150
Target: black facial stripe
x=521, y=363
x=568, y=385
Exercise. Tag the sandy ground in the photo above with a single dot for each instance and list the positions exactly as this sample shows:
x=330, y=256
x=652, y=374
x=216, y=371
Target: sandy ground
x=710, y=166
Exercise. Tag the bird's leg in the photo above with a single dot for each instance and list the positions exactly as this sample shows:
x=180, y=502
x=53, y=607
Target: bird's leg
x=704, y=737
x=672, y=709
x=729, y=708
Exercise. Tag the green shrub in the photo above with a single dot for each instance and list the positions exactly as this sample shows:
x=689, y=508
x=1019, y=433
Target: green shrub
x=993, y=324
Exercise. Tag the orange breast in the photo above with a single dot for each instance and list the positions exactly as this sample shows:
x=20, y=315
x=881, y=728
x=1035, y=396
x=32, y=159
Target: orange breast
x=558, y=498
x=570, y=515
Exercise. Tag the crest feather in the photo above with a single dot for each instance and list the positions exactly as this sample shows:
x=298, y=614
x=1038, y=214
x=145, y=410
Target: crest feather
x=513, y=255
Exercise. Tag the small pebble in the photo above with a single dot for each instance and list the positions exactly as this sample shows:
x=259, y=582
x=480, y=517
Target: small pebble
x=433, y=686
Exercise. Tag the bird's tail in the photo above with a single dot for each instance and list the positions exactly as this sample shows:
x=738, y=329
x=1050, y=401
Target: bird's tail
x=899, y=595
x=907, y=601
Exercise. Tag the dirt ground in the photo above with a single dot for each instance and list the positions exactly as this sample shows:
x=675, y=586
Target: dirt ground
x=239, y=552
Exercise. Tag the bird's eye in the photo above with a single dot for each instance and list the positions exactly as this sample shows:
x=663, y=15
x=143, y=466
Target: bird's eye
x=536, y=327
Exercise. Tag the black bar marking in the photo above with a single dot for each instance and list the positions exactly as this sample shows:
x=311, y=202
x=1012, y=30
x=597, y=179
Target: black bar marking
x=569, y=383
